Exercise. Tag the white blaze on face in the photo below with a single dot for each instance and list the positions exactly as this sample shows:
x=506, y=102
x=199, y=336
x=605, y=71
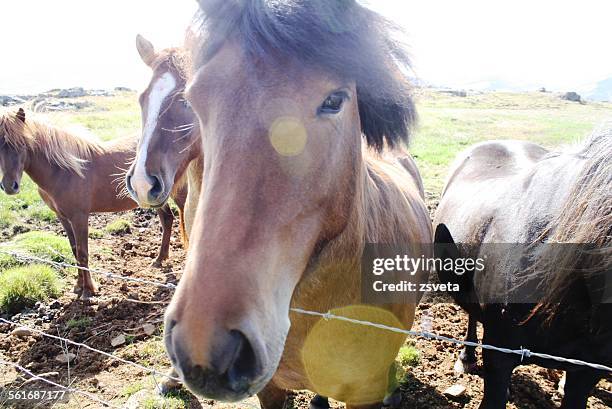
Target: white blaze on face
x=161, y=89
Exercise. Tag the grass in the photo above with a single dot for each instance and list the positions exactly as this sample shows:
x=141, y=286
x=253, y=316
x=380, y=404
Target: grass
x=179, y=399
x=39, y=244
x=7, y=218
x=118, y=226
x=22, y=287
x=450, y=124
x=173, y=400
x=26, y=206
x=95, y=234
x=408, y=356
x=80, y=323
x=132, y=388
x=111, y=117
x=150, y=352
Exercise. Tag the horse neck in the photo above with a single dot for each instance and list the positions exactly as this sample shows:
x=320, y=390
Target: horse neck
x=39, y=168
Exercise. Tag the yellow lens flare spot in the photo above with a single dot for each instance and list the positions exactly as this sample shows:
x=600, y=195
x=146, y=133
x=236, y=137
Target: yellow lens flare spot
x=288, y=136
x=353, y=363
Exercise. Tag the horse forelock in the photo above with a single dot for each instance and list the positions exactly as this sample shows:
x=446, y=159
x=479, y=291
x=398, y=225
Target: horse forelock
x=176, y=59
x=13, y=131
x=341, y=37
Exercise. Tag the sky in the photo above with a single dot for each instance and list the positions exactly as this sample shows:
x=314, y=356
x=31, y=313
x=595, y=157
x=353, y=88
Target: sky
x=557, y=44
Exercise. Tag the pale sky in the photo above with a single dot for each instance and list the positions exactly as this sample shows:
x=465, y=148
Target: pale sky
x=527, y=43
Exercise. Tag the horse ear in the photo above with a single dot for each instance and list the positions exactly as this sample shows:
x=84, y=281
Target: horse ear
x=385, y=120
x=21, y=115
x=145, y=49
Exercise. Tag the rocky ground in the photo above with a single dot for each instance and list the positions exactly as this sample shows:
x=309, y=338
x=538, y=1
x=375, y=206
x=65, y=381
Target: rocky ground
x=131, y=314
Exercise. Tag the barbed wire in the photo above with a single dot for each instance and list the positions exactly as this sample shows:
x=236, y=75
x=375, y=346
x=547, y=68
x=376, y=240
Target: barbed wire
x=57, y=385
x=523, y=352
x=107, y=274
x=92, y=349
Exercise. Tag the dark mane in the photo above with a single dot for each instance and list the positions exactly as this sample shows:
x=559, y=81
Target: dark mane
x=585, y=218
x=339, y=36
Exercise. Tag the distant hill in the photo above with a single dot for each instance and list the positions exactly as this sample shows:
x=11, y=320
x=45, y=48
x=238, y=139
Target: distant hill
x=602, y=91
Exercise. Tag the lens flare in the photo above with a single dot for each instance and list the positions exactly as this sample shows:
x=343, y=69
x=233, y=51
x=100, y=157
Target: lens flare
x=288, y=136
x=338, y=355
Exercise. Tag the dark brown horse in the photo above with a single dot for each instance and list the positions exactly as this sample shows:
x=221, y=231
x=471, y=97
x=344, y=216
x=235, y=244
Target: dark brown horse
x=539, y=294
x=170, y=141
x=296, y=103
x=75, y=177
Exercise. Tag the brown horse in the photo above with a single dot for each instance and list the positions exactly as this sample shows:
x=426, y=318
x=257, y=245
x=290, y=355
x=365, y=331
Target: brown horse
x=75, y=177
x=289, y=95
x=517, y=192
x=171, y=137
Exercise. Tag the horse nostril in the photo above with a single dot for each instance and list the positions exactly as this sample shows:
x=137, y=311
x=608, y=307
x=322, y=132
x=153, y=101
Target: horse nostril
x=243, y=363
x=15, y=186
x=2, y=186
x=158, y=187
x=128, y=182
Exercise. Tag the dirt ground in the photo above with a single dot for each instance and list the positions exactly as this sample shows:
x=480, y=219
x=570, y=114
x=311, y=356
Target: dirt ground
x=123, y=308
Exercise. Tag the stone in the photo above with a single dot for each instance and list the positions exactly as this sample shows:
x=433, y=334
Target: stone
x=118, y=340
x=572, y=96
x=455, y=391
x=65, y=358
x=21, y=332
x=75, y=92
x=148, y=329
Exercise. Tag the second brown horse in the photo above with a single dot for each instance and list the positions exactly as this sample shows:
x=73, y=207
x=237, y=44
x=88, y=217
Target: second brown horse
x=75, y=177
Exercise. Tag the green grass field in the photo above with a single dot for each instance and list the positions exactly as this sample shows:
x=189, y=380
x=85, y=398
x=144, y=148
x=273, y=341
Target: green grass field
x=447, y=125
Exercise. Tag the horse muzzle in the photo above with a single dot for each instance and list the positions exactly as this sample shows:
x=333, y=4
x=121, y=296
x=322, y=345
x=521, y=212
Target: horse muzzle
x=10, y=188
x=147, y=190
x=233, y=368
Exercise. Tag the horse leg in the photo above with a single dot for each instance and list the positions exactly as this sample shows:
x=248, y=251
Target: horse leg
x=69, y=233
x=467, y=362
x=85, y=287
x=578, y=386
x=183, y=230
x=272, y=397
x=166, y=218
x=319, y=402
x=498, y=369
x=180, y=197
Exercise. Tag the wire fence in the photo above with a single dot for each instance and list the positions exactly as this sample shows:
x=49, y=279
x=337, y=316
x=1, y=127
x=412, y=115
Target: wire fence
x=68, y=389
x=522, y=352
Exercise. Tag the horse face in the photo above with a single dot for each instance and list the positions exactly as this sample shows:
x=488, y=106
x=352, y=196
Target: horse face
x=169, y=140
x=283, y=152
x=12, y=161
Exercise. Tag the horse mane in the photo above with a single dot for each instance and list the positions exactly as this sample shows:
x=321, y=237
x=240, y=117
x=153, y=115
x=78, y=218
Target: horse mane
x=177, y=59
x=60, y=147
x=585, y=218
x=342, y=37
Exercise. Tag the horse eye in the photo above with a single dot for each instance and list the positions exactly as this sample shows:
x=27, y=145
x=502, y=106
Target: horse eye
x=333, y=103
